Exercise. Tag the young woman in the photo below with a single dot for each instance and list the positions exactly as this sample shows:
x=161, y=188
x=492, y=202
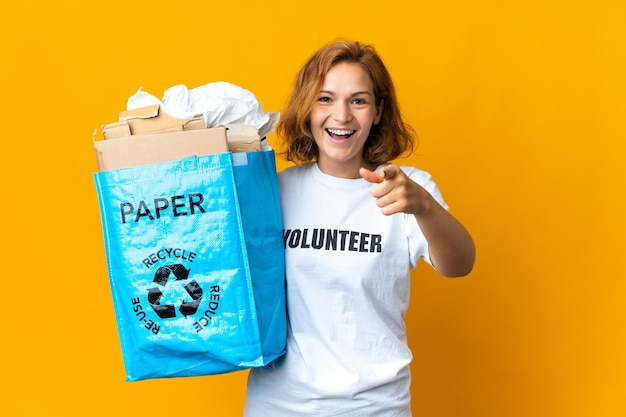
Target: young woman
x=354, y=227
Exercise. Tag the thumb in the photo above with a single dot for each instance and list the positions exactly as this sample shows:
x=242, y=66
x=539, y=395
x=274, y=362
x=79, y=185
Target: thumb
x=371, y=176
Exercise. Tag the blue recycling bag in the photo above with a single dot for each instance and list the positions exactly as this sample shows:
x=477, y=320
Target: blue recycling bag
x=196, y=264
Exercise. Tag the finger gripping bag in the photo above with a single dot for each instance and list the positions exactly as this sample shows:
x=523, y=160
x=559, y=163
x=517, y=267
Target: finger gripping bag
x=196, y=264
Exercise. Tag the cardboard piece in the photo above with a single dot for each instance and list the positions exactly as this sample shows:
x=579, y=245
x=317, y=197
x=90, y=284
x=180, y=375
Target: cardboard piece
x=116, y=130
x=243, y=138
x=150, y=120
x=147, y=136
x=146, y=149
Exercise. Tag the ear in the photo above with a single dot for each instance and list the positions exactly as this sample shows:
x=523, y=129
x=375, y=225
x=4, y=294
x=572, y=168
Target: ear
x=379, y=112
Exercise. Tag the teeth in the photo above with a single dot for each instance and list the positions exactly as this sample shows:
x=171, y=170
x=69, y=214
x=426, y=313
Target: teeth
x=340, y=132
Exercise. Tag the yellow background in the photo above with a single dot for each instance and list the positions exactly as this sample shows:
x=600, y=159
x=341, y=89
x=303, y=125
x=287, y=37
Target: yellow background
x=520, y=107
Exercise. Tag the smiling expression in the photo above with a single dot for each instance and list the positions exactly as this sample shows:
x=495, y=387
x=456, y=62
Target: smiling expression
x=341, y=119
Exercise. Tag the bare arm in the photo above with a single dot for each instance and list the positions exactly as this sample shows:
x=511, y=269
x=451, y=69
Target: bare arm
x=451, y=247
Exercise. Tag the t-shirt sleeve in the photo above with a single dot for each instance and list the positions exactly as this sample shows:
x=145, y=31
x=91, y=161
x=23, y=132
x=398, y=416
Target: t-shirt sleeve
x=418, y=246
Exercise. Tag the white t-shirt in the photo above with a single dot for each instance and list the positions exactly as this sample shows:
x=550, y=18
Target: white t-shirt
x=348, y=276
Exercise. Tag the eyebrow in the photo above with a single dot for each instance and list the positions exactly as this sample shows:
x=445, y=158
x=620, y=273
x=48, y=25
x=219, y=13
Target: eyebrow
x=352, y=95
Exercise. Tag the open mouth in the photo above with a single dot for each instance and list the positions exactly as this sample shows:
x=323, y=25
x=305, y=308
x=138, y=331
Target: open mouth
x=340, y=133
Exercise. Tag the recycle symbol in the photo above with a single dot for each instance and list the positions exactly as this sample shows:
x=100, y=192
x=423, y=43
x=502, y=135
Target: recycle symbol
x=161, y=277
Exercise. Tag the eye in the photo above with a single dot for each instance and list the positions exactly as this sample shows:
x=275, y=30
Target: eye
x=324, y=99
x=359, y=101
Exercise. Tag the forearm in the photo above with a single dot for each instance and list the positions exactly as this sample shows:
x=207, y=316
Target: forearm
x=451, y=247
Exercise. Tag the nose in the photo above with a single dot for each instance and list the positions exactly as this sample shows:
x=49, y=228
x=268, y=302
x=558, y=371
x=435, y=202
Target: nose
x=341, y=112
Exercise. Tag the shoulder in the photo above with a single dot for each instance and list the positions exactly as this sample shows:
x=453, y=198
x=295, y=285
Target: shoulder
x=294, y=171
x=419, y=176
x=293, y=177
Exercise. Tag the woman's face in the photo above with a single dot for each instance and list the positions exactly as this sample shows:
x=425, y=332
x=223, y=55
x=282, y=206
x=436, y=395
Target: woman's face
x=341, y=119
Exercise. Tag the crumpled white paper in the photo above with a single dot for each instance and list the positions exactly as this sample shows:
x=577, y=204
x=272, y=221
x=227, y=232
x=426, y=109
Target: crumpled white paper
x=220, y=103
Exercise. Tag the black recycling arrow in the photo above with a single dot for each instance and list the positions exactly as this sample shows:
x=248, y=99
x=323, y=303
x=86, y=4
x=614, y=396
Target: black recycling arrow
x=154, y=296
x=163, y=273
x=188, y=308
x=161, y=277
x=166, y=311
